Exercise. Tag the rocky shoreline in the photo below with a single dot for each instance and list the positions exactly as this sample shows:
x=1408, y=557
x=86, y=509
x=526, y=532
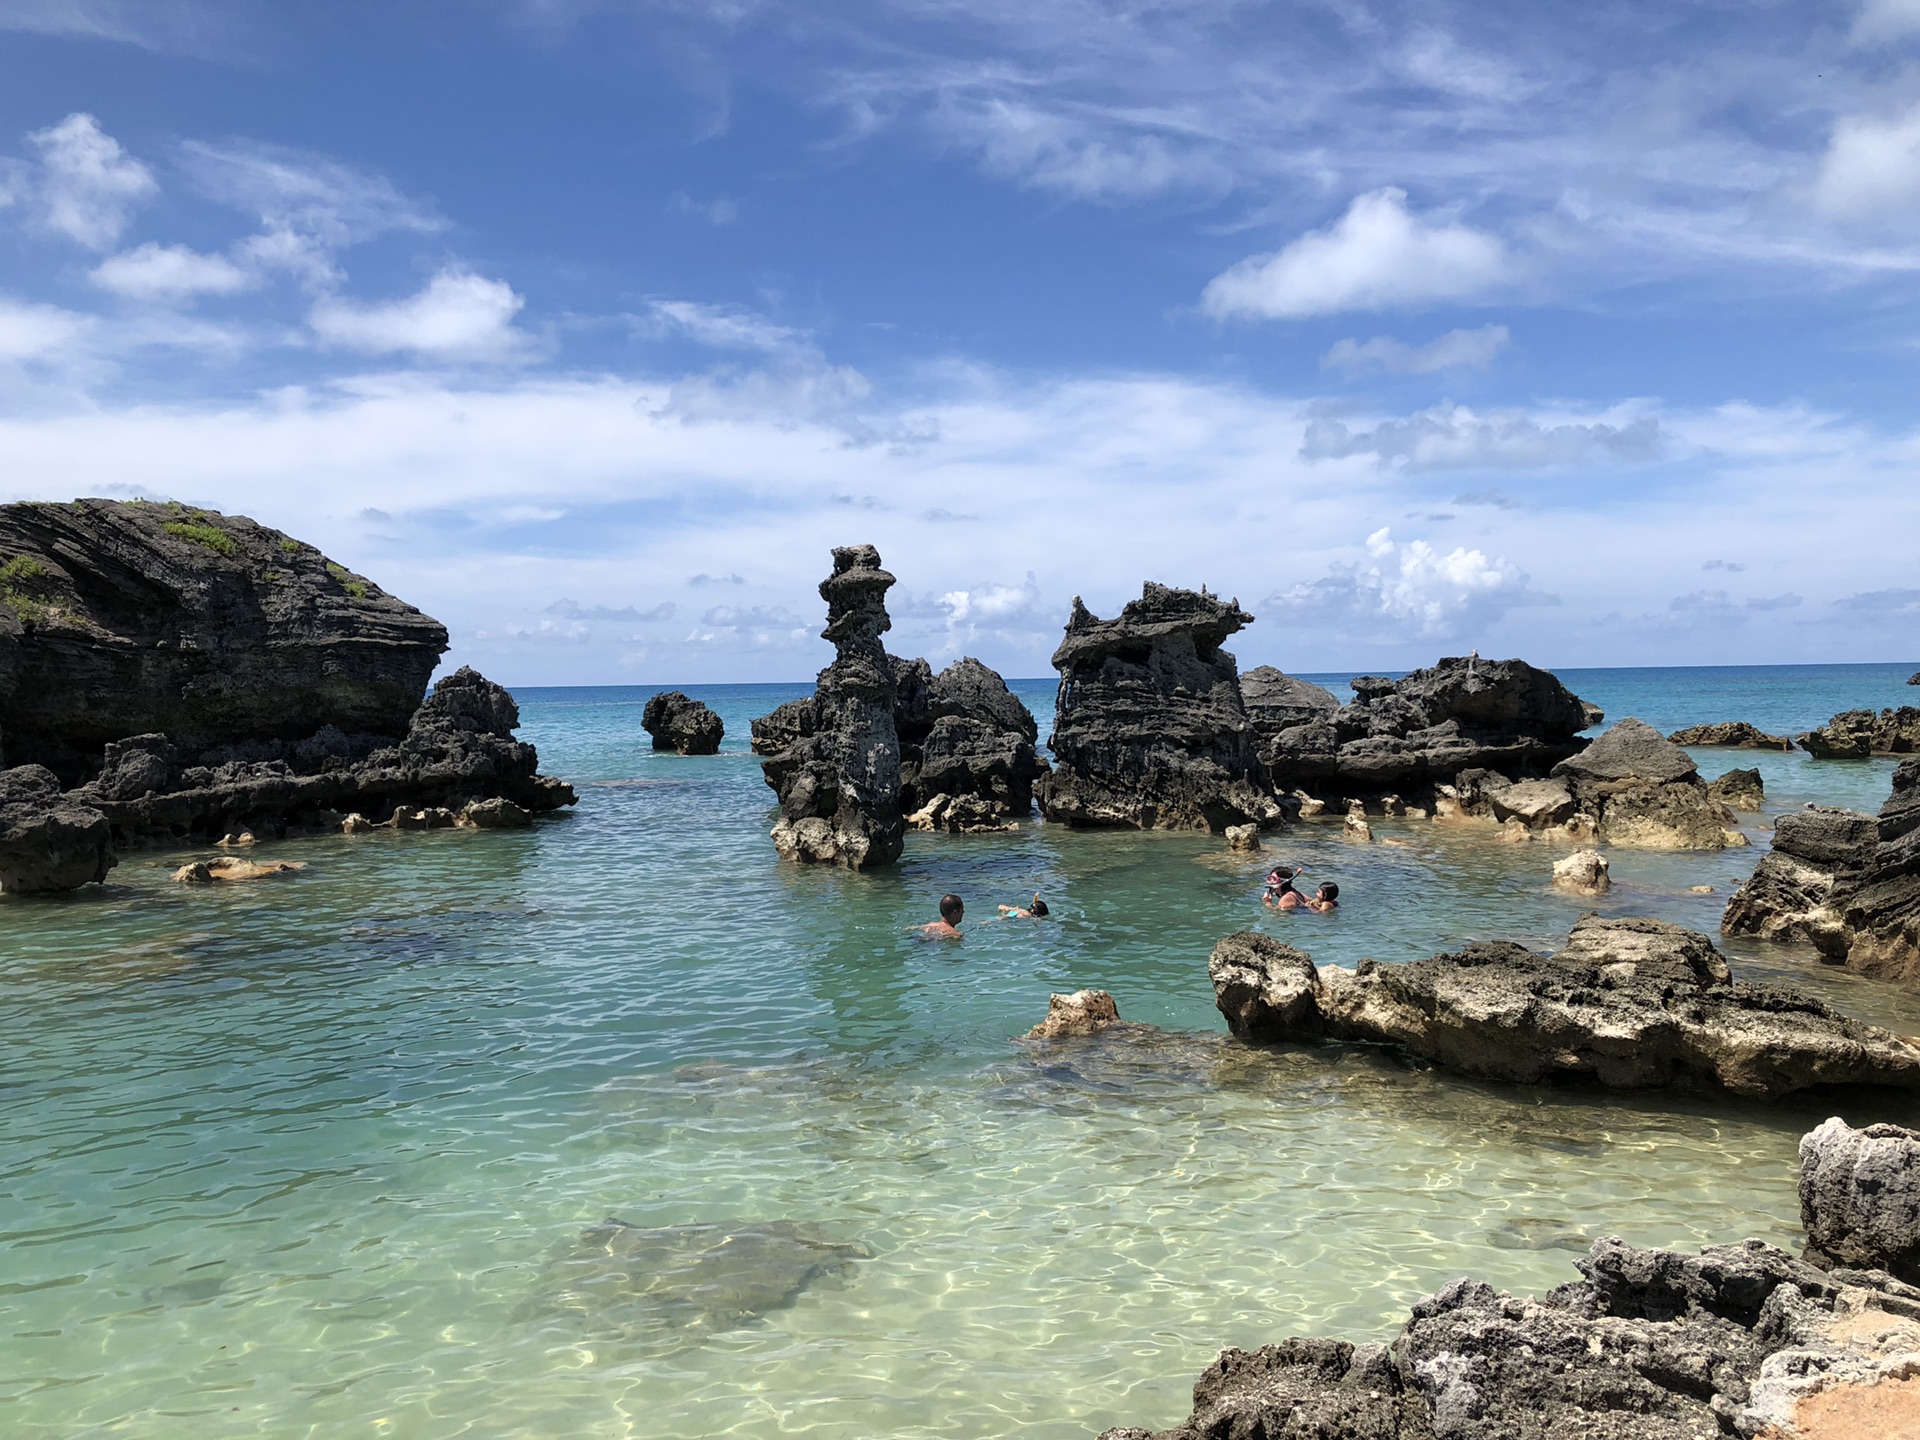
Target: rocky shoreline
x=175, y=676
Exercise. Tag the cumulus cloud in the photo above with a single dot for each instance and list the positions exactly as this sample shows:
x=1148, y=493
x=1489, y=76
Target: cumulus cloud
x=1377, y=256
x=1872, y=167
x=1411, y=590
x=1382, y=355
x=573, y=610
x=1451, y=437
x=169, y=272
x=458, y=316
x=88, y=184
x=31, y=332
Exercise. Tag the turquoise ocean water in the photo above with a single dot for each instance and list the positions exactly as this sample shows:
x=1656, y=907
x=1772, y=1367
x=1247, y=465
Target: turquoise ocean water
x=324, y=1156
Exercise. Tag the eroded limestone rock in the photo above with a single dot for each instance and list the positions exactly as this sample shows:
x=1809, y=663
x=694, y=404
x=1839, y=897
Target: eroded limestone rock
x=679, y=723
x=48, y=841
x=1646, y=792
x=1085, y=1012
x=1857, y=734
x=1739, y=790
x=1860, y=1198
x=1585, y=872
x=227, y=868
x=1732, y=735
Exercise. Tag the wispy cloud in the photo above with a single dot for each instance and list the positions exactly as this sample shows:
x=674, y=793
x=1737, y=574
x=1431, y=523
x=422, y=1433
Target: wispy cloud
x=1383, y=355
x=170, y=272
x=1450, y=437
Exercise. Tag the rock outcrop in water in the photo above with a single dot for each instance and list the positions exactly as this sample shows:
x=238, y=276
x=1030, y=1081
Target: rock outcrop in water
x=1646, y=792
x=189, y=674
x=1738, y=1340
x=121, y=619
x=1629, y=1003
x=1731, y=735
x=837, y=768
x=1847, y=883
x=679, y=723
x=967, y=756
x=1150, y=730
x=1860, y=1198
x=1407, y=736
x=1858, y=734
x=48, y=842
x=1276, y=702
x=1739, y=790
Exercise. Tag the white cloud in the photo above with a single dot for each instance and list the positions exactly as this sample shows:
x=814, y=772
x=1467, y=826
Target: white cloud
x=1886, y=20
x=1101, y=157
x=1449, y=437
x=1408, y=589
x=88, y=184
x=169, y=272
x=1872, y=167
x=458, y=316
x=1457, y=349
x=1377, y=256
x=722, y=327
x=30, y=332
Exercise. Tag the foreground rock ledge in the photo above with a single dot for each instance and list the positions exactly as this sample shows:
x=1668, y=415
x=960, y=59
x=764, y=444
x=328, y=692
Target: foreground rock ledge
x=1630, y=1003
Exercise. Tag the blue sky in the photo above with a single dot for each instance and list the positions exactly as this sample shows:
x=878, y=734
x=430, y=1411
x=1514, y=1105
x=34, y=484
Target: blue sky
x=1581, y=333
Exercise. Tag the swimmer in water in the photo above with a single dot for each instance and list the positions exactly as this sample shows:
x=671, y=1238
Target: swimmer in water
x=1036, y=909
x=947, y=927
x=1327, y=899
x=1280, y=894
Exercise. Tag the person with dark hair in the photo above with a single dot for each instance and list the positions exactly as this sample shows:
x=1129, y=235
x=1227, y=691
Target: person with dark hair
x=1280, y=894
x=1036, y=909
x=947, y=927
x=1327, y=899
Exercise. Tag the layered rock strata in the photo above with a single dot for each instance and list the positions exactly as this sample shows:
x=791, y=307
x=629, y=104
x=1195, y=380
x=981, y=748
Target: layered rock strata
x=1858, y=734
x=121, y=619
x=837, y=770
x=1149, y=729
x=1629, y=1003
x=679, y=723
x=1847, y=883
x=1738, y=1340
x=967, y=747
x=1407, y=736
x=1646, y=792
x=1731, y=735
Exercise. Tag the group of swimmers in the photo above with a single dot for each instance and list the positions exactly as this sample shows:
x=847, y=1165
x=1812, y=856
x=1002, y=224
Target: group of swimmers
x=1278, y=894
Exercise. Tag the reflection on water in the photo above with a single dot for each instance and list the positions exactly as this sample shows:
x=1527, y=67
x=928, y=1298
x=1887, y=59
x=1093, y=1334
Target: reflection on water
x=619, y=1128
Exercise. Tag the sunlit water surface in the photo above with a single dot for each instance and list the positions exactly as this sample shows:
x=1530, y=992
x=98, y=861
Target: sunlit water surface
x=326, y=1156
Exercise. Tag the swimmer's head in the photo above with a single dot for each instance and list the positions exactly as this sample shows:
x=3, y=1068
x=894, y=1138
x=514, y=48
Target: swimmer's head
x=1038, y=908
x=952, y=907
x=1329, y=890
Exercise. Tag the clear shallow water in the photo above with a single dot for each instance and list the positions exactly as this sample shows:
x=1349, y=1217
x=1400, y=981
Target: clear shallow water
x=317, y=1157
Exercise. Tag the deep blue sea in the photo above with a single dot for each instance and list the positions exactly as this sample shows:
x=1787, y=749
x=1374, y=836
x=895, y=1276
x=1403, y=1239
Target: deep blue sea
x=332, y=1155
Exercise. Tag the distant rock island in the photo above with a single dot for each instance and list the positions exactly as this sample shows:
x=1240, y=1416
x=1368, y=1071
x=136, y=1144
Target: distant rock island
x=172, y=675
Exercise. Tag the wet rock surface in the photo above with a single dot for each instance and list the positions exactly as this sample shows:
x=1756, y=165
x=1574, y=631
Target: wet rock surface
x=838, y=771
x=966, y=737
x=1738, y=1340
x=49, y=842
x=1858, y=734
x=1411, y=734
x=1628, y=1003
x=1732, y=735
x=1646, y=792
x=122, y=619
x=1860, y=1198
x=1150, y=730
x=679, y=723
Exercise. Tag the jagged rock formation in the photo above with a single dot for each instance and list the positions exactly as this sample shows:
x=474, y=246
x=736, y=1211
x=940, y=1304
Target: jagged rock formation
x=121, y=619
x=1860, y=1198
x=1818, y=853
x=1739, y=790
x=965, y=738
x=458, y=749
x=1857, y=734
x=1731, y=735
x=1630, y=1003
x=679, y=723
x=838, y=772
x=1646, y=792
x=1407, y=736
x=1276, y=702
x=1847, y=883
x=1149, y=730
x=47, y=841
x=1739, y=1340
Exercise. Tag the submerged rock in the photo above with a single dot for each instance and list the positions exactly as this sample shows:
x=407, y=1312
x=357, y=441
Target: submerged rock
x=128, y=618
x=1630, y=1003
x=702, y=1279
x=1646, y=792
x=233, y=867
x=838, y=775
x=49, y=842
x=1732, y=735
x=1857, y=734
x=1412, y=734
x=1860, y=1198
x=965, y=736
x=1738, y=1340
x=679, y=723
x=1149, y=729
